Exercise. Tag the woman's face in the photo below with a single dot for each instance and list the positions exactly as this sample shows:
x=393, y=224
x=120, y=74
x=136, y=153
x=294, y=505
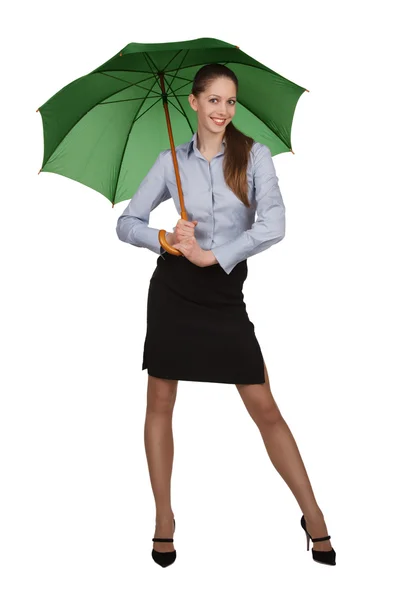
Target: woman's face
x=218, y=101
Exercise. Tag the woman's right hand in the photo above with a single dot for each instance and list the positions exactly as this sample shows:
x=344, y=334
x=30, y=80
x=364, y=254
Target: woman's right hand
x=183, y=230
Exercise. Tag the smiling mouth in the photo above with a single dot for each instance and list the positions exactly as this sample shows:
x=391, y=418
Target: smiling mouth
x=218, y=121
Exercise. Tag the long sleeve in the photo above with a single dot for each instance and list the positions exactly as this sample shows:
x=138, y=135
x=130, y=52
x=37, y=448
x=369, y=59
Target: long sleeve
x=269, y=228
x=133, y=223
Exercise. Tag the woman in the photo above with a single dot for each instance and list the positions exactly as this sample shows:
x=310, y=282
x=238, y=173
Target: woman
x=196, y=300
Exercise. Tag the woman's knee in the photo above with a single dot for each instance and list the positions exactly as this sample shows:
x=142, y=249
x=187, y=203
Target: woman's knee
x=161, y=394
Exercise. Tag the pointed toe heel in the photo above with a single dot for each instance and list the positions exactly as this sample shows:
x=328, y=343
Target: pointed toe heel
x=326, y=557
x=164, y=559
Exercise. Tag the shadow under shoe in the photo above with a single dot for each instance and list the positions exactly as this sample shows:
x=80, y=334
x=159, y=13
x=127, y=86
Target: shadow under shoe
x=326, y=557
x=164, y=559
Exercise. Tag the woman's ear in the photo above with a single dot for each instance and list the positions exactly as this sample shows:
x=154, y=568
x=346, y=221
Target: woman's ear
x=192, y=101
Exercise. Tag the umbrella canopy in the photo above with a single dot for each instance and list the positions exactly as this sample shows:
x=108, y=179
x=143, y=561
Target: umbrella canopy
x=107, y=128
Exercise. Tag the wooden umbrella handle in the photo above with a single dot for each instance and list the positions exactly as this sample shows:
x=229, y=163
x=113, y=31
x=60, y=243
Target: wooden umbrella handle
x=162, y=233
x=163, y=242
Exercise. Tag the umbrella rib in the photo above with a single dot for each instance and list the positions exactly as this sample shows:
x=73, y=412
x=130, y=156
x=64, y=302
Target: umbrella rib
x=131, y=84
x=177, y=69
x=148, y=59
x=128, y=100
x=147, y=109
x=237, y=62
x=182, y=86
x=107, y=74
x=173, y=58
x=176, y=108
x=183, y=111
x=124, y=80
x=183, y=78
x=126, y=143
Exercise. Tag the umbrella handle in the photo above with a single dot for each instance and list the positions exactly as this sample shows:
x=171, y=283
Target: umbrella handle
x=163, y=242
x=162, y=233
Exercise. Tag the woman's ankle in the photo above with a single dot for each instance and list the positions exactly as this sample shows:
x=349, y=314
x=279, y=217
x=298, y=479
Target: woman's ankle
x=314, y=515
x=163, y=517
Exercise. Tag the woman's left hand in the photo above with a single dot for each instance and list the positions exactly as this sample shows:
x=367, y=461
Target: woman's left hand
x=192, y=251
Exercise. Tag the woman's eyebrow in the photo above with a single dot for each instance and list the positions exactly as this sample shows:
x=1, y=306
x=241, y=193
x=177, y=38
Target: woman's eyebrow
x=220, y=96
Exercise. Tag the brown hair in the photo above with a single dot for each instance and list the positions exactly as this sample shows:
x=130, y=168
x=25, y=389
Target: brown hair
x=238, y=145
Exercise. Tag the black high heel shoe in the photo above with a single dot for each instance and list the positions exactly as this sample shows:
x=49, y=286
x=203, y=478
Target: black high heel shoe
x=326, y=557
x=164, y=559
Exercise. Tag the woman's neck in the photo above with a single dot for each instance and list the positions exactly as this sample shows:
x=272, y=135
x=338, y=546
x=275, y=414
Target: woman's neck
x=209, y=143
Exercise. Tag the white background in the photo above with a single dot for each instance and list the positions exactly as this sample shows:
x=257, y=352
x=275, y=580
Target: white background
x=77, y=511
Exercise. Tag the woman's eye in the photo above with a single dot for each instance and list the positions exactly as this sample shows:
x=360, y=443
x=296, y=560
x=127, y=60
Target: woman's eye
x=234, y=101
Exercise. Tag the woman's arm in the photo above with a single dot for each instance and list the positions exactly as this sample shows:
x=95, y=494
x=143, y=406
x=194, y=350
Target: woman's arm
x=269, y=228
x=133, y=223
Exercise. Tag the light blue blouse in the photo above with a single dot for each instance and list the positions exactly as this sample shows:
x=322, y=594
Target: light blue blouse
x=225, y=225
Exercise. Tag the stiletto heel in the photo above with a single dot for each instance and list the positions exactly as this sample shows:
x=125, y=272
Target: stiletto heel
x=308, y=541
x=326, y=557
x=164, y=559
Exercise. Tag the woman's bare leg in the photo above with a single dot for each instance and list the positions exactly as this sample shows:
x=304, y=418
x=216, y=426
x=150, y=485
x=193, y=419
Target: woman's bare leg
x=159, y=446
x=284, y=454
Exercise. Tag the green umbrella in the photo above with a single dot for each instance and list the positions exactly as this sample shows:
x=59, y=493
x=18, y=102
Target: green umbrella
x=107, y=128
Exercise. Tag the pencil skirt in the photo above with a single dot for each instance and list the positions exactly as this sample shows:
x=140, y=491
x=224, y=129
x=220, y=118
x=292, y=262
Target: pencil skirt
x=198, y=328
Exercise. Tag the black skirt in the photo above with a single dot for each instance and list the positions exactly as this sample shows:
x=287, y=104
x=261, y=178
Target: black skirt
x=198, y=328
